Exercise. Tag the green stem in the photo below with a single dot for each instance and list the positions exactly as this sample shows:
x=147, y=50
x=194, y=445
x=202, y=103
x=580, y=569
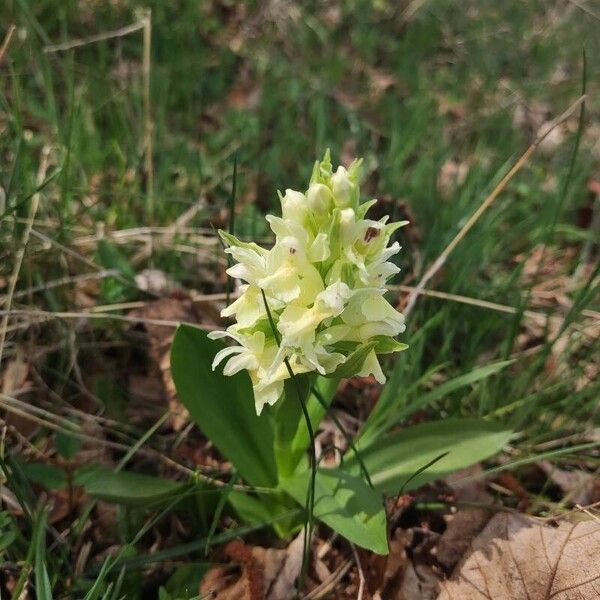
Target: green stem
x=347, y=437
x=310, y=500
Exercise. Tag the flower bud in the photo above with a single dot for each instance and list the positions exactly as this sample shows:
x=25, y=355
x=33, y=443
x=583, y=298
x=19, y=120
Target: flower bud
x=319, y=198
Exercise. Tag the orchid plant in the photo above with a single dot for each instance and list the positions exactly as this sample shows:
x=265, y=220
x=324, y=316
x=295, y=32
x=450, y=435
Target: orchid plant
x=311, y=310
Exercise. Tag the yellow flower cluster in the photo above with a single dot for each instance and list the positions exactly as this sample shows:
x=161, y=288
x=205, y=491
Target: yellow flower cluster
x=324, y=284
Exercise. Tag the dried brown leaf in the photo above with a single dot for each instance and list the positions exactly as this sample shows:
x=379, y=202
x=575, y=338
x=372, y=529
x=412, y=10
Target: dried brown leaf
x=15, y=374
x=578, y=486
x=256, y=573
x=518, y=557
x=419, y=583
x=160, y=338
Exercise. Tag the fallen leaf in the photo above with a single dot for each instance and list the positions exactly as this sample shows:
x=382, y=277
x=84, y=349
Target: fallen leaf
x=15, y=374
x=518, y=557
x=419, y=583
x=578, y=486
x=14, y=378
x=156, y=282
x=160, y=338
x=462, y=528
x=255, y=574
x=464, y=525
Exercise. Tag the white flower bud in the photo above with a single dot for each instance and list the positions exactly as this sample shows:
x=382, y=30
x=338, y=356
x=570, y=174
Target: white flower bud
x=319, y=198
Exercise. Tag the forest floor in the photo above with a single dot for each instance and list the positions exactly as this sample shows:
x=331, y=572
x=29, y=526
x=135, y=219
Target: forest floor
x=118, y=134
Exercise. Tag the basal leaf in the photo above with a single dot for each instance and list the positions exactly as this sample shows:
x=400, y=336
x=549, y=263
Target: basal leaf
x=345, y=503
x=126, y=487
x=395, y=457
x=223, y=407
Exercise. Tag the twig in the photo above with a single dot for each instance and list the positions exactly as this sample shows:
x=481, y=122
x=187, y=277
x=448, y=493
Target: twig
x=100, y=37
x=47, y=314
x=35, y=200
x=585, y=9
x=8, y=404
x=361, y=575
x=60, y=282
x=441, y=259
x=148, y=126
x=485, y=303
x=85, y=260
x=588, y=512
x=323, y=590
x=7, y=40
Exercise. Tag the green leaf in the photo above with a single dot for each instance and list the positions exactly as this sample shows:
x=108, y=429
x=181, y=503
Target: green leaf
x=455, y=384
x=185, y=580
x=50, y=476
x=8, y=530
x=387, y=345
x=110, y=257
x=114, y=289
x=353, y=363
x=42, y=581
x=223, y=407
x=231, y=240
x=345, y=503
x=67, y=445
x=266, y=508
x=393, y=459
x=126, y=487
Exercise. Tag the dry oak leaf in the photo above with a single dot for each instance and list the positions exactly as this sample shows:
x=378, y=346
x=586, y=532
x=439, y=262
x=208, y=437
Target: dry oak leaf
x=516, y=557
x=256, y=573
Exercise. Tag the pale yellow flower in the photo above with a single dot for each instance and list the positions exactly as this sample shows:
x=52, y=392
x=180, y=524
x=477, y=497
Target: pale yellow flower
x=324, y=284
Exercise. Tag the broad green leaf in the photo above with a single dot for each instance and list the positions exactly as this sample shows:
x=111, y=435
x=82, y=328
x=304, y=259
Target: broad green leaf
x=223, y=407
x=394, y=458
x=266, y=508
x=126, y=487
x=345, y=503
x=67, y=445
x=50, y=476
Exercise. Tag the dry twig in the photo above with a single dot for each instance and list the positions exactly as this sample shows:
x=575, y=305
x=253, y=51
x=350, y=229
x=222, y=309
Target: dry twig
x=441, y=259
x=6, y=43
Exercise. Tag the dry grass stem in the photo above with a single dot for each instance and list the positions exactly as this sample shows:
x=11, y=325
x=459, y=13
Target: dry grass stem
x=6, y=43
x=100, y=37
x=35, y=200
x=441, y=259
